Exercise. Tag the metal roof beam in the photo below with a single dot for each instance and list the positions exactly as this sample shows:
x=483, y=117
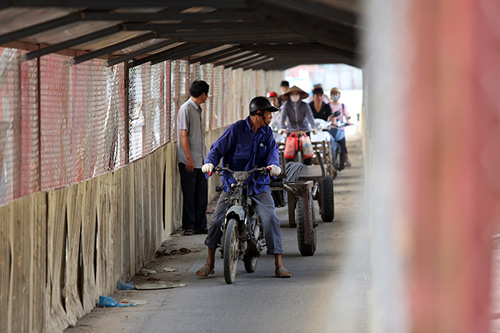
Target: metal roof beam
x=73, y=42
x=292, y=51
x=137, y=53
x=333, y=59
x=235, y=38
x=249, y=60
x=333, y=35
x=38, y=28
x=253, y=63
x=99, y=4
x=222, y=26
x=113, y=48
x=254, y=33
x=229, y=51
x=326, y=38
x=284, y=47
x=227, y=16
x=179, y=55
x=276, y=65
x=241, y=54
x=326, y=51
x=170, y=52
x=218, y=57
x=319, y=10
x=244, y=39
x=238, y=59
x=311, y=55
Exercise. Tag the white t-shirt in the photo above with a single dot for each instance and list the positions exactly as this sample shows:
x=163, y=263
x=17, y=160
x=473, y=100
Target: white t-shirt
x=343, y=111
x=275, y=122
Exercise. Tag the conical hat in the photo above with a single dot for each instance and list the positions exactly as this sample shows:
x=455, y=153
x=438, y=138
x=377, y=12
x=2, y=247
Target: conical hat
x=286, y=95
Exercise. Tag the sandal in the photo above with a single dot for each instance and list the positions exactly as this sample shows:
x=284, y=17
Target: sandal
x=188, y=232
x=205, y=271
x=348, y=164
x=282, y=272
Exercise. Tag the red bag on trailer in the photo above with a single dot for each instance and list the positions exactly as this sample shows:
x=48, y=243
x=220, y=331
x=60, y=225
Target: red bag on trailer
x=291, y=146
x=306, y=145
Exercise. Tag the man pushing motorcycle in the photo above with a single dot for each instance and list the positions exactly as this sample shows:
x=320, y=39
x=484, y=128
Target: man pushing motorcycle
x=244, y=145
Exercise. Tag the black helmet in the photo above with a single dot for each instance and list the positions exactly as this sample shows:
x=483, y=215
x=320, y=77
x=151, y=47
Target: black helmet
x=261, y=103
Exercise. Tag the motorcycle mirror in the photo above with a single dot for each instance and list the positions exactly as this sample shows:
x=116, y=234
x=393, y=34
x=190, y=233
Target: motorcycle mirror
x=336, y=113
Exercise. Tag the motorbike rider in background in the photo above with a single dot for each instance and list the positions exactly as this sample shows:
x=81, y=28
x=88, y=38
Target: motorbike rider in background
x=244, y=145
x=297, y=114
x=274, y=98
x=322, y=110
x=284, y=86
x=344, y=114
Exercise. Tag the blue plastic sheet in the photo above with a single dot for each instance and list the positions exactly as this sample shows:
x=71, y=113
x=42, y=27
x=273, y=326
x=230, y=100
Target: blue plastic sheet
x=125, y=286
x=109, y=301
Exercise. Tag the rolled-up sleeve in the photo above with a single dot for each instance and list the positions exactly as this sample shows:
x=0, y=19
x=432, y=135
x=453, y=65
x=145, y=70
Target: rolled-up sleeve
x=220, y=147
x=183, y=119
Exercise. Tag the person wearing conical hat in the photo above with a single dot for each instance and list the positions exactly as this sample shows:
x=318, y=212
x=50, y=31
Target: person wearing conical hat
x=296, y=113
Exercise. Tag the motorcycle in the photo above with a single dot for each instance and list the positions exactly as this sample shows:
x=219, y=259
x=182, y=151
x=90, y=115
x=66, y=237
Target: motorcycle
x=326, y=132
x=242, y=231
x=323, y=128
x=338, y=135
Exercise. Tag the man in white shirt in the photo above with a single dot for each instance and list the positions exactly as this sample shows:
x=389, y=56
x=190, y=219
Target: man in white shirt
x=191, y=154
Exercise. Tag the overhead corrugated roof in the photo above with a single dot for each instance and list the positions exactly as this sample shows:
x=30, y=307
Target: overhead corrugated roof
x=258, y=34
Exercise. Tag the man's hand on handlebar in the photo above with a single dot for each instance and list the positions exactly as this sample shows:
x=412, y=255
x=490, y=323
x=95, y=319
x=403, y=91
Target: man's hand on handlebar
x=281, y=131
x=274, y=170
x=207, y=168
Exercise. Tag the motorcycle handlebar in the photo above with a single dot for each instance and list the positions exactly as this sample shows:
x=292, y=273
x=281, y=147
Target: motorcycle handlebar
x=344, y=125
x=300, y=132
x=218, y=170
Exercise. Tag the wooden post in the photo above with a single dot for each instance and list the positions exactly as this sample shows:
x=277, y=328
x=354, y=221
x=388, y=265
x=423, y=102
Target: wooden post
x=39, y=123
x=126, y=122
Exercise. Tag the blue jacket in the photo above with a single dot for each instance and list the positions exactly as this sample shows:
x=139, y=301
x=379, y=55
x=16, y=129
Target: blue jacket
x=241, y=149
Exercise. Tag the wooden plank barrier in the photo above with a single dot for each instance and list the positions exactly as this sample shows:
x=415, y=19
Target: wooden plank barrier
x=61, y=249
x=5, y=267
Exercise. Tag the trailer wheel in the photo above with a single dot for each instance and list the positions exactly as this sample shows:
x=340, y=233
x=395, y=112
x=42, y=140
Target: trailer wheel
x=305, y=249
x=327, y=203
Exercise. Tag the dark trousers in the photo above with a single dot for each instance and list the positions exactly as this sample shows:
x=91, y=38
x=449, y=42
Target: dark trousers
x=264, y=205
x=343, y=145
x=194, y=191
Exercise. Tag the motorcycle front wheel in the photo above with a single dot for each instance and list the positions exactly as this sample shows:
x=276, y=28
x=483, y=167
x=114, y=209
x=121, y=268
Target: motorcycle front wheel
x=231, y=251
x=339, y=160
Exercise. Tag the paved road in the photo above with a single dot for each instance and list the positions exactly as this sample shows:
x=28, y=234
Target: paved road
x=327, y=293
